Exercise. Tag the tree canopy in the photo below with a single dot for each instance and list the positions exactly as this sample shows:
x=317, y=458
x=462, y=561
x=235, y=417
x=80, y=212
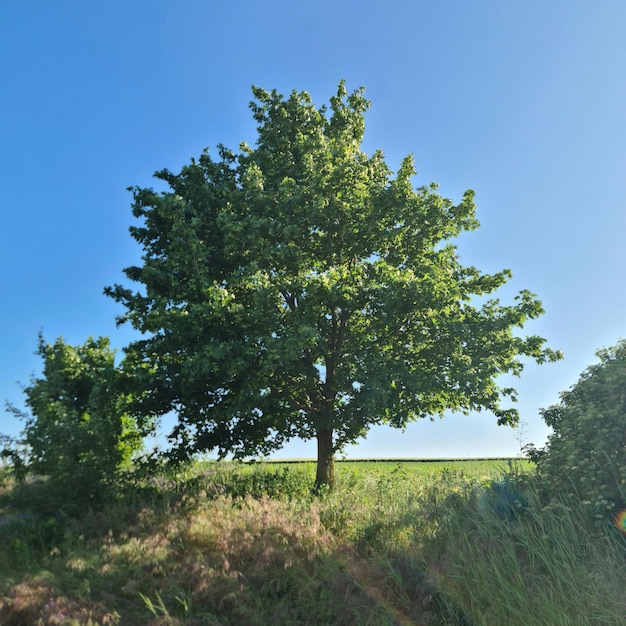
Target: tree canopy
x=298, y=288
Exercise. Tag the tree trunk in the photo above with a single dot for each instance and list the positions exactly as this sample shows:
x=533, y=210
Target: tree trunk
x=325, y=460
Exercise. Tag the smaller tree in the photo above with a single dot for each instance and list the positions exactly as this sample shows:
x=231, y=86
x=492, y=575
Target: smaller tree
x=585, y=457
x=78, y=432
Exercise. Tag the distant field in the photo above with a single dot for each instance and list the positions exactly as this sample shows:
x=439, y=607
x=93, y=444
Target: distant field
x=435, y=463
x=438, y=465
x=475, y=468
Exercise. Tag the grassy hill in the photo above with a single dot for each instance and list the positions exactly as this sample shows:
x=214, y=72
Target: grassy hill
x=455, y=542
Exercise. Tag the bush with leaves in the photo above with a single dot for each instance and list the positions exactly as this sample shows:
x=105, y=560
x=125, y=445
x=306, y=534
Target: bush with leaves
x=585, y=457
x=77, y=432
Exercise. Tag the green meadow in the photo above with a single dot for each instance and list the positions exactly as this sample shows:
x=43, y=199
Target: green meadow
x=395, y=542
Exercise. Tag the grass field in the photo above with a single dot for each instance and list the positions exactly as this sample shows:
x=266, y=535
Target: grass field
x=455, y=542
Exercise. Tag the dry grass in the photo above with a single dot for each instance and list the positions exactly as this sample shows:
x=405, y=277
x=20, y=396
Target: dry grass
x=37, y=601
x=227, y=560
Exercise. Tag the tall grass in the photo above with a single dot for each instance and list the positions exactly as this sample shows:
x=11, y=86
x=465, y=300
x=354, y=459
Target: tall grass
x=394, y=543
x=537, y=565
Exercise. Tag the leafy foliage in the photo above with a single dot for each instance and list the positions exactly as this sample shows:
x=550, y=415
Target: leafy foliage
x=585, y=457
x=78, y=432
x=299, y=289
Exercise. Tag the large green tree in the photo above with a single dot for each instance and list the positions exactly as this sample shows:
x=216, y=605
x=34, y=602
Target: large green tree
x=298, y=288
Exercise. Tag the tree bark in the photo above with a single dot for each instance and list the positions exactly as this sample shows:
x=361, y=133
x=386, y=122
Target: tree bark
x=325, y=460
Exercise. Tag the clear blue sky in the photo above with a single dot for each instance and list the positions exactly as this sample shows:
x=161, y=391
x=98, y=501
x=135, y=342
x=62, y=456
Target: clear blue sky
x=524, y=102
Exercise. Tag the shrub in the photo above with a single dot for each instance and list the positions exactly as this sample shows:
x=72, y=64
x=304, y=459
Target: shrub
x=585, y=457
x=78, y=433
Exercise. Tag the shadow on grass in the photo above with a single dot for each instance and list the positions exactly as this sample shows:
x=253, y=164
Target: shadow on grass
x=188, y=557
